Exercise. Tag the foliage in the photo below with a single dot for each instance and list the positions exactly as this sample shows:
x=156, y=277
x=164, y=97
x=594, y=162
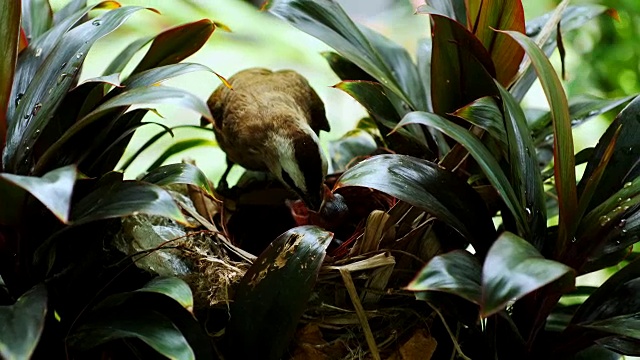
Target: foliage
x=477, y=81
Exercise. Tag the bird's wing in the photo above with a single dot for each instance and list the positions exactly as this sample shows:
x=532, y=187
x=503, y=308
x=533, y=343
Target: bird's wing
x=303, y=93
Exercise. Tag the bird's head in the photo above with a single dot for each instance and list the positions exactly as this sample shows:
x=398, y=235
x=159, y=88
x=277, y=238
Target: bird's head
x=299, y=163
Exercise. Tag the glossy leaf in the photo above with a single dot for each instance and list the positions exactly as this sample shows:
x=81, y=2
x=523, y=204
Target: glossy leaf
x=373, y=97
x=34, y=56
x=624, y=165
x=387, y=62
x=21, y=324
x=525, y=175
x=144, y=95
x=481, y=154
x=53, y=190
x=146, y=325
x=182, y=173
x=37, y=17
x=420, y=183
x=172, y=287
x=461, y=68
x=56, y=73
x=486, y=16
x=176, y=44
x=9, y=34
x=564, y=160
x=178, y=147
x=69, y=9
x=159, y=74
x=514, y=268
x=485, y=113
x=351, y=147
x=456, y=272
x=345, y=69
x=125, y=199
x=275, y=290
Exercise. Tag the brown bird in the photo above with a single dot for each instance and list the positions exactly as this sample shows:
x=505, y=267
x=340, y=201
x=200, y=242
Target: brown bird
x=270, y=121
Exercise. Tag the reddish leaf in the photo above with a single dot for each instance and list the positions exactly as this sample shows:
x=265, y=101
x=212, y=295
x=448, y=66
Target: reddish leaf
x=461, y=68
x=485, y=15
x=9, y=30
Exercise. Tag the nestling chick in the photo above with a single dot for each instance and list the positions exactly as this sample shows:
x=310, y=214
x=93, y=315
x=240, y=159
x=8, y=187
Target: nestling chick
x=270, y=121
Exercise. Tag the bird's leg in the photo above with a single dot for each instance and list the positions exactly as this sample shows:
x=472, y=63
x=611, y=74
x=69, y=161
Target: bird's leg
x=223, y=186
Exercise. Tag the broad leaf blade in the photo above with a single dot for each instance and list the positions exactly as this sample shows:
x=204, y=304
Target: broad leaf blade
x=486, y=114
x=455, y=9
x=513, y=268
x=172, y=287
x=456, y=272
x=420, y=183
x=275, y=290
x=175, y=45
x=37, y=17
x=53, y=190
x=178, y=174
x=481, y=154
x=461, y=68
x=21, y=324
x=564, y=160
x=125, y=199
x=483, y=16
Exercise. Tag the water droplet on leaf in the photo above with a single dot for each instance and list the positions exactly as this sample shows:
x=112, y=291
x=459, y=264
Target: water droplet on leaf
x=38, y=52
x=604, y=220
x=627, y=185
x=96, y=22
x=79, y=55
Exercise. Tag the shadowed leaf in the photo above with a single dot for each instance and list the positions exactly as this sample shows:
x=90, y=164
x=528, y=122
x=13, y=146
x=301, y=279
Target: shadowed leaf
x=275, y=290
x=486, y=114
x=178, y=147
x=178, y=174
x=21, y=324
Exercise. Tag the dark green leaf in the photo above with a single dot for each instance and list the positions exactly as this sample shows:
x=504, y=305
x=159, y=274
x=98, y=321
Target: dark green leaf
x=179, y=147
x=424, y=68
x=486, y=114
x=619, y=345
x=125, y=199
x=625, y=325
x=9, y=34
x=345, y=69
x=486, y=16
x=564, y=160
x=120, y=62
x=178, y=174
x=514, y=268
x=421, y=184
x=172, y=287
x=21, y=324
x=481, y=154
x=350, y=147
x=387, y=62
x=37, y=17
x=461, y=68
x=57, y=73
x=176, y=44
x=143, y=95
x=146, y=325
x=275, y=290
x=525, y=174
x=158, y=74
x=596, y=352
x=456, y=272
x=53, y=190
x=624, y=165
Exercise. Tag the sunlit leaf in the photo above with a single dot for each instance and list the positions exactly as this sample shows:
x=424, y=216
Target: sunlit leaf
x=564, y=160
x=275, y=290
x=53, y=190
x=176, y=44
x=420, y=183
x=513, y=268
x=481, y=154
x=178, y=174
x=21, y=324
x=483, y=16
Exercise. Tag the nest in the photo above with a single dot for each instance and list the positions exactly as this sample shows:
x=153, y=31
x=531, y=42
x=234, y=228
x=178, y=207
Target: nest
x=358, y=308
